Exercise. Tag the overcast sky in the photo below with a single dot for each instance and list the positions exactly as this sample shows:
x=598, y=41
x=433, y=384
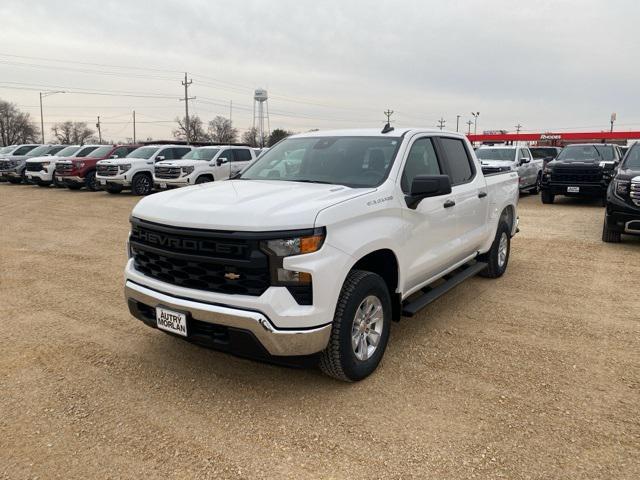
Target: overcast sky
x=548, y=65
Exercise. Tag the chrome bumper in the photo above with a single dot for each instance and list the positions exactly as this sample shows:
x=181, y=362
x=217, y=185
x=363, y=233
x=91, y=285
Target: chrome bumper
x=71, y=179
x=276, y=342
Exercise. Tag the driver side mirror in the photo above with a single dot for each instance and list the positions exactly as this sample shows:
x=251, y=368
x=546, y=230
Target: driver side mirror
x=222, y=160
x=524, y=160
x=425, y=186
x=159, y=158
x=115, y=156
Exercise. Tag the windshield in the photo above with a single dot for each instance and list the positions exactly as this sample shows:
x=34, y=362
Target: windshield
x=39, y=151
x=579, y=153
x=632, y=160
x=542, y=153
x=86, y=151
x=68, y=151
x=508, y=154
x=201, y=154
x=352, y=161
x=100, y=152
x=143, y=152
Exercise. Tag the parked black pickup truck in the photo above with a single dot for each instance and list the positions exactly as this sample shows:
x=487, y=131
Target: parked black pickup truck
x=580, y=170
x=623, y=199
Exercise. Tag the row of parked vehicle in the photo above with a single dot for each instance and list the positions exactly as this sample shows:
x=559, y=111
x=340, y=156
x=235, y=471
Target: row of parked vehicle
x=114, y=168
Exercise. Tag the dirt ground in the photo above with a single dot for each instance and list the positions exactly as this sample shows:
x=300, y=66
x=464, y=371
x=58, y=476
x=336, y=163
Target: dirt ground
x=534, y=375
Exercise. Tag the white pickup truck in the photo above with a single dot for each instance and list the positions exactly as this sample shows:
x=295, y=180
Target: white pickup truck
x=319, y=244
x=498, y=158
x=202, y=165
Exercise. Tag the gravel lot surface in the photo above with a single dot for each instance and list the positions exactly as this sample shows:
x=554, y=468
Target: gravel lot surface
x=534, y=375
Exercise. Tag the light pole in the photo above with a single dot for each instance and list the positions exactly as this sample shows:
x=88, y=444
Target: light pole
x=475, y=122
x=458, y=122
x=46, y=94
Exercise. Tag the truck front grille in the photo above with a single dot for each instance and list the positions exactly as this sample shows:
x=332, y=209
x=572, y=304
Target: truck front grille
x=34, y=166
x=212, y=261
x=167, y=172
x=634, y=192
x=107, y=170
x=576, y=175
x=6, y=164
x=64, y=168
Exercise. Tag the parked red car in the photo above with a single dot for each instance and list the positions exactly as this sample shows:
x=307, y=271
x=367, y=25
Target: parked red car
x=81, y=172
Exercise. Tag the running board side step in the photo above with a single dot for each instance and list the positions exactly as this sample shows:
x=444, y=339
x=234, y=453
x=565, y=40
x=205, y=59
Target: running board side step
x=452, y=280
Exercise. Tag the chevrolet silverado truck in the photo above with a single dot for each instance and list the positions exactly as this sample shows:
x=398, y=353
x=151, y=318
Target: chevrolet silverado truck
x=13, y=161
x=42, y=170
x=75, y=173
x=319, y=244
x=201, y=165
x=622, y=213
x=135, y=171
x=583, y=170
x=495, y=159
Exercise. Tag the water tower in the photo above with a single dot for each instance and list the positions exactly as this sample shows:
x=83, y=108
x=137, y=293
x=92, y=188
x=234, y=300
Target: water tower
x=260, y=100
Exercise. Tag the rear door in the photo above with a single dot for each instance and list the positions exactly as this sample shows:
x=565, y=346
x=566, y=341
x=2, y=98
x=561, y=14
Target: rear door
x=241, y=158
x=469, y=194
x=223, y=164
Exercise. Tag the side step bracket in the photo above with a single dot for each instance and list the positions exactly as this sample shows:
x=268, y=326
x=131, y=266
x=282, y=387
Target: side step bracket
x=451, y=280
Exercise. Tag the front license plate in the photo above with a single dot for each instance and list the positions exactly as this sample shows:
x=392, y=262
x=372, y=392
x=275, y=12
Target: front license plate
x=573, y=189
x=163, y=185
x=103, y=182
x=170, y=321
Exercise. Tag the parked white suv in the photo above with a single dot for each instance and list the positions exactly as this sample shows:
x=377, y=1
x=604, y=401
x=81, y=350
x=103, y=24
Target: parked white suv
x=499, y=158
x=319, y=244
x=201, y=165
x=135, y=171
x=42, y=170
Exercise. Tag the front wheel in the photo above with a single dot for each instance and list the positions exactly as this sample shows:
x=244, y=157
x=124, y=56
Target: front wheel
x=608, y=235
x=360, y=328
x=497, y=257
x=547, y=197
x=90, y=181
x=141, y=184
x=113, y=189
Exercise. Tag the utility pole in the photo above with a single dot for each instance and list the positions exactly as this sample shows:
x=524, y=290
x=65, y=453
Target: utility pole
x=469, y=123
x=134, y=126
x=231, y=111
x=441, y=123
x=475, y=122
x=99, y=131
x=518, y=128
x=42, y=95
x=458, y=123
x=186, y=105
x=613, y=119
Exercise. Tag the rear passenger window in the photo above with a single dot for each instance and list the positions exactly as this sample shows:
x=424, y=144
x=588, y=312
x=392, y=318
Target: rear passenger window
x=120, y=152
x=242, y=155
x=228, y=154
x=422, y=160
x=458, y=161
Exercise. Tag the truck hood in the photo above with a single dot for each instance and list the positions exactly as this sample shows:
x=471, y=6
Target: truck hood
x=124, y=161
x=44, y=158
x=181, y=163
x=497, y=163
x=248, y=205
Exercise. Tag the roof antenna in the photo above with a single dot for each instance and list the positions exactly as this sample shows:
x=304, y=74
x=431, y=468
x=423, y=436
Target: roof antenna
x=388, y=128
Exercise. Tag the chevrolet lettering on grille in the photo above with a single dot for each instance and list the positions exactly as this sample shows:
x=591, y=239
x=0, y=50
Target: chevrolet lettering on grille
x=201, y=246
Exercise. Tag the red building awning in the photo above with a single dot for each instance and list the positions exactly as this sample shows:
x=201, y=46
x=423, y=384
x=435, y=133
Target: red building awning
x=553, y=137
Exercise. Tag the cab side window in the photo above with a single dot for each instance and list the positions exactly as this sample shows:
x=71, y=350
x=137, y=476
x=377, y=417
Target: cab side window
x=180, y=152
x=242, y=155
x=228, y=154
x=167, y=153
x=458, y=162
x=422, y=160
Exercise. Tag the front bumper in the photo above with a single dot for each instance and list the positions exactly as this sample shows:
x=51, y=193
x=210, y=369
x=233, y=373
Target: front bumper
x=10, y=174
x=622, y=217
x=71, y=179
x=229, y=321
x=587, y=190
x=115, y=180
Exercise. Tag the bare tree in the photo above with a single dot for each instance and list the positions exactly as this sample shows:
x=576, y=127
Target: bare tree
x=72, y=133
x=221, y=130
x=16, y=126
x=277, y=135
x=250, y=137
x=197, y=132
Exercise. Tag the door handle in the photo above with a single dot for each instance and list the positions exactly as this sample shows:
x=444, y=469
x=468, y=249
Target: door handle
x=449, y=204
x=482, y=194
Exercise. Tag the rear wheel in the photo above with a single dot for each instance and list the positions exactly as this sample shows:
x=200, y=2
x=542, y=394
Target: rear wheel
x=497, y=257
x=609, y=235
x=113, y=188
x=360, y=328
x=141, y=184
x=536, y=188
x=90, y=181
x=547, y=197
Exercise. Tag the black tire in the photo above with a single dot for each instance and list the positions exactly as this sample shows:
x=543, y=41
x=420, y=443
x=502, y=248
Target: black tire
x=609, y=235
x=142, y=184
x=56, y=182
x=90, y=182
x=15, y=181
x=113, y=189
x=603, y=201
x=496, y=267
x=203, y=179
x=547, y=197
x=74, y=186
x=339, y=359
x=536, y=188
x=43, y=184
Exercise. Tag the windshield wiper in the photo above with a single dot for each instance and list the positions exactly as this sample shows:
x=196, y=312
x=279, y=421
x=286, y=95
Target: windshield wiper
x=306, y=180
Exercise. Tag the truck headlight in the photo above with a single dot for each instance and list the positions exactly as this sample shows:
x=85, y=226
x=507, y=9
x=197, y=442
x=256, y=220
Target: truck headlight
x=547, y=171
x=622, y=187
x=287, y=247
x=125, y=167
x=187, y=170
x=78, y=164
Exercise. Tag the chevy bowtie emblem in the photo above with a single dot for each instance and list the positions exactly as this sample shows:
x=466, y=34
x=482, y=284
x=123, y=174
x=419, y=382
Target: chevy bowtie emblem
x=231, y=276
